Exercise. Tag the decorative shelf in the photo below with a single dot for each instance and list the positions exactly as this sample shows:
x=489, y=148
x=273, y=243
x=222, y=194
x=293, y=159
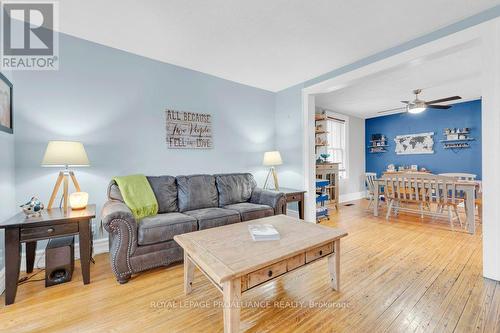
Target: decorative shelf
x=321, y=132
x=378, y=146
x=459, y=140
x=456, y=146
x=378, y=143
x=321, y=145
x=320, y=117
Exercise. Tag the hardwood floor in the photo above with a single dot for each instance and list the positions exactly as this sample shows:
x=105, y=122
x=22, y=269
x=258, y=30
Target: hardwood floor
x=398, y=276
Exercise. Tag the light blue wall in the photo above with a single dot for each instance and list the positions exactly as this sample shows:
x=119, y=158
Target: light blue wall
x=7, y=186
x=461, y=115
x=289, y=136
x=114, y=103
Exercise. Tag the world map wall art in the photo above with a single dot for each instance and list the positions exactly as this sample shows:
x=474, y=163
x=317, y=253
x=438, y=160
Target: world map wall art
x=411, y=144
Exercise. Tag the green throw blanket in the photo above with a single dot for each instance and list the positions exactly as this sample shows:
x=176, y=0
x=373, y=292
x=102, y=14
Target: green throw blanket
x=138, y=195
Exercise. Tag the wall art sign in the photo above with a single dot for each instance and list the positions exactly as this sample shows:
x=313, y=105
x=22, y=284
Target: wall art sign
x=189, y=130
x=6, y=105
x=409, y=144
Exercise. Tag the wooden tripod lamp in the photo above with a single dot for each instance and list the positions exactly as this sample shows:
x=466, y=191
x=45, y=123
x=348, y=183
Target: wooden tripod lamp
x=272, y=159
x=64, y=154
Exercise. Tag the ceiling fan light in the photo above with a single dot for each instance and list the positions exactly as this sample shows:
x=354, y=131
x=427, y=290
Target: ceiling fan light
x=416, y=109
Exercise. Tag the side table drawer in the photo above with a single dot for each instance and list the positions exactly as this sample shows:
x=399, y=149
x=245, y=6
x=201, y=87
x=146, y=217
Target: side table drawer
x=48, y=231
x=319, y=252
x=293, y=197
x=265, y=274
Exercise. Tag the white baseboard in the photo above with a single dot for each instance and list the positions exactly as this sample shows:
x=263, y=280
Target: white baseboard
x=100, y=246
x=352, y=196
x=292, y=213
x=2, y=280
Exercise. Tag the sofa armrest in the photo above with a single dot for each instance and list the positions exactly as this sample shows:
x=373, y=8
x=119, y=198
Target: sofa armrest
x=116, y=210
x=121, y=225
x=276, y=200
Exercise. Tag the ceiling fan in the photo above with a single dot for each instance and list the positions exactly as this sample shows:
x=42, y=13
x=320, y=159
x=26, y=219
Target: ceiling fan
x=418, y=105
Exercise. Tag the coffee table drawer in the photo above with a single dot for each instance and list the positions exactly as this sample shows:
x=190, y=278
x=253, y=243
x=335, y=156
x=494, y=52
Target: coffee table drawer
x=48, y=231
x=265, y=274
x=295, y=262
x=319, y=252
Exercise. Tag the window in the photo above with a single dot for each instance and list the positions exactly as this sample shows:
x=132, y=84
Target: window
x=336, y=126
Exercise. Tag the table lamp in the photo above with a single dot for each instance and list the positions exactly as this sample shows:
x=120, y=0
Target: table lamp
x=272, y=158
x=64, y=154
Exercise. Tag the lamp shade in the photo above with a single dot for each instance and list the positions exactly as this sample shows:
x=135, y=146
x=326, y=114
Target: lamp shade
x=65, y=154
x=272, y=158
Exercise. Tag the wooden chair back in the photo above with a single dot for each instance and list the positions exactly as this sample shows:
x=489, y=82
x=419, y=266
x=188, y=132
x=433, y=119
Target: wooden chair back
x=370, y=178
x=424, y=188
x=460, y=176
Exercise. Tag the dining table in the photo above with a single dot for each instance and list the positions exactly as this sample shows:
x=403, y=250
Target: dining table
x=470, y=189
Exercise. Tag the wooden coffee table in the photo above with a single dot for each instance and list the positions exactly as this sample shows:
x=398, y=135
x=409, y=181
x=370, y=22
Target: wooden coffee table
x=235, y=263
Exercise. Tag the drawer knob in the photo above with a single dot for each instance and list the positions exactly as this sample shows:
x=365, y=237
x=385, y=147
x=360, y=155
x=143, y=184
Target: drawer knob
x=270, y=273
x=320, y=252
x=50, y=230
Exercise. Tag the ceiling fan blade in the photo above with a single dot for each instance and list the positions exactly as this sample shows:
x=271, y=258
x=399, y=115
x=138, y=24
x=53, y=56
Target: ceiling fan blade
x=441, y=100
x=406, y=102
x=392, y=110
x=442, y=107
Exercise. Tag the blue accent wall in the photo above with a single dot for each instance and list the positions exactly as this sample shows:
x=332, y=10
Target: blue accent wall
x=467, y=114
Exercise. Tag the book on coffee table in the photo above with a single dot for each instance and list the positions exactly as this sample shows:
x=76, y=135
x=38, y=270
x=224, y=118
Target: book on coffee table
x=263, y=232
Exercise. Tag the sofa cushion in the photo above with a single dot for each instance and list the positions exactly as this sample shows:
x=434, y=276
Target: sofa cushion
x=250, y=211
x=234, y=188
x=196, y=192
x=163, y=227
x=214, y=217
x=165, y=190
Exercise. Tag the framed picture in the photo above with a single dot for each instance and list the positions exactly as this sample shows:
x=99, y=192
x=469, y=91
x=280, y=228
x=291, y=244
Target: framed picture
x=6, y=121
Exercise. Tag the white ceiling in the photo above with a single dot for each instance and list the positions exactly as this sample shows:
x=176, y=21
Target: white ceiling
x=456, y=72
x=270, y=44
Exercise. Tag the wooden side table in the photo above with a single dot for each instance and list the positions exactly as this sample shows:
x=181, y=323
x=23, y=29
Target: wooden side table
x=52, y=223
x=293, y=195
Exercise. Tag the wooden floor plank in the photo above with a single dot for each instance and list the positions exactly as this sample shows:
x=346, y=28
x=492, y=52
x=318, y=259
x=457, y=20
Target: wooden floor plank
x=405, y=274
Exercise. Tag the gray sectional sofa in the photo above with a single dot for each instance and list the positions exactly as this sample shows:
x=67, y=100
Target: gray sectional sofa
x=186, y=204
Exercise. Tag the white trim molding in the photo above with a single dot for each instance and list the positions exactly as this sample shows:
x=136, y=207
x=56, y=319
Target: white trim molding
x=2, y=280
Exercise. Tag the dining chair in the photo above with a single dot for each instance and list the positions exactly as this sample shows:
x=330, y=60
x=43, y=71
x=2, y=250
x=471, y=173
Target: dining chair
x=422, y=190
x=370, y=178
x=406, y=189
x=460, y=175
x=460, y=195
x=447, y=197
